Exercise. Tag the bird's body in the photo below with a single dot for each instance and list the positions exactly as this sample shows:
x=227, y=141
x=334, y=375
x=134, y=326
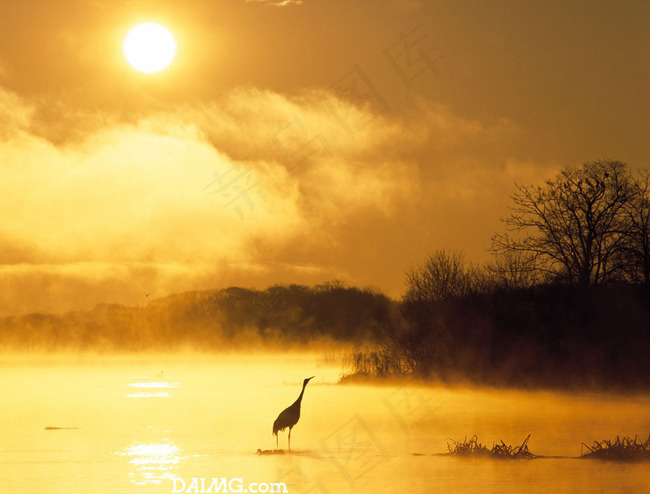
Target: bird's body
x=289, y=416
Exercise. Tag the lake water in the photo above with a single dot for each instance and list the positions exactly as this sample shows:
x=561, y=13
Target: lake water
x=137, y=423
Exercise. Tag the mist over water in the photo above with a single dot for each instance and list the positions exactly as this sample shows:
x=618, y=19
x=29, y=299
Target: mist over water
x=131, y=424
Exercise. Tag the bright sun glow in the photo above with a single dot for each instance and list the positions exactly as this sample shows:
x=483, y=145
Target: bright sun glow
x=149, y=47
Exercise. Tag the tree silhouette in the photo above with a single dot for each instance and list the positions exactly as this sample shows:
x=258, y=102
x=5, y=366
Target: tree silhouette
x=574, y=226
x=513, y=270
x=638, y=245
x=442, y=277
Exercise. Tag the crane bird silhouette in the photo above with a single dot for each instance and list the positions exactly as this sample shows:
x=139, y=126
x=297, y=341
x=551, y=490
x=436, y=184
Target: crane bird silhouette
x=289, y=416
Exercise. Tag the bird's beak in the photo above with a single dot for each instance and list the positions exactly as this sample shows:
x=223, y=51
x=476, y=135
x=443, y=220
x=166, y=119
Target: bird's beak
x=310, y=377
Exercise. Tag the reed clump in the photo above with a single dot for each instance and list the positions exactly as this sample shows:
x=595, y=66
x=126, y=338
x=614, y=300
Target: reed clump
x=620, y=449
x=502, y=450
x=468, y=448
x=379, y=361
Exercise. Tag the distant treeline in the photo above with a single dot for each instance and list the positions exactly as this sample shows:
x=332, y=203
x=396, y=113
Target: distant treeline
x=474, y=329
x=546, y=335
x=211, y=320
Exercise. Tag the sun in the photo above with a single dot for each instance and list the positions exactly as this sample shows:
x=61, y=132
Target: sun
x=149, y=47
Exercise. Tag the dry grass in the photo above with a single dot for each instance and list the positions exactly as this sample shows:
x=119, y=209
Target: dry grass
x=624, y=449
x=378, y=361
x=502, y=450
x=468, y=448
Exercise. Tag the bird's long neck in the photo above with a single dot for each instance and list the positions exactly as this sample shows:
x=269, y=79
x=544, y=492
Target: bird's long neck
x=299, y=400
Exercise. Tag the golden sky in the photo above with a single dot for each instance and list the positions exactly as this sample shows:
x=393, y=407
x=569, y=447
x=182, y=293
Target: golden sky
x=293, y=141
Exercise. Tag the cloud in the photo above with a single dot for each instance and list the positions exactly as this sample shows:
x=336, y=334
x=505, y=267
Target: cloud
x=277, y=3
x=253, y=189
x=15, y=115
x=200, y=188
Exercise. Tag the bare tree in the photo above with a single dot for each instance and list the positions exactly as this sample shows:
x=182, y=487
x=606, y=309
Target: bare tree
x=574, y=226
x=443, y=276
x=638, y=245
x=514, y=270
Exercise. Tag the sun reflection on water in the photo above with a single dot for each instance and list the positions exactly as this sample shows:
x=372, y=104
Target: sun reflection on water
x=154, y=462
x=157, y=394
x=153, y=386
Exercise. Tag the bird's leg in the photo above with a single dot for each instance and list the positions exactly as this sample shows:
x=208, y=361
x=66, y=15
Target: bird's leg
x=276, y=442
x=289, y=439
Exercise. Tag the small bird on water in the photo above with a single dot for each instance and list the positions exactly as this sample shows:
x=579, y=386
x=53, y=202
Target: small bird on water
x=289, y=416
